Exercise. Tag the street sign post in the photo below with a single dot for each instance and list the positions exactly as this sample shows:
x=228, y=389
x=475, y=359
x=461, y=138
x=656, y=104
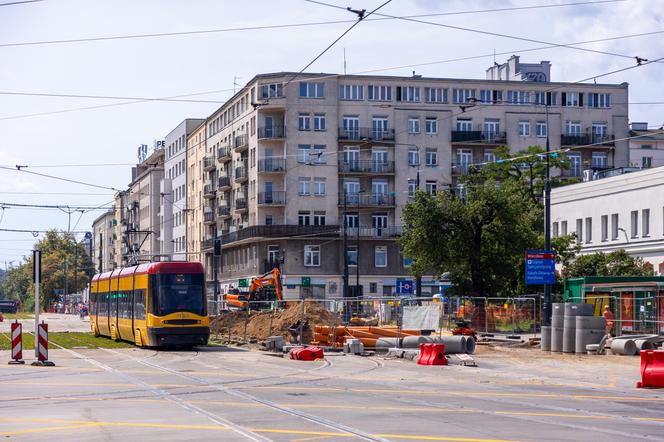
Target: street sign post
x=540, y=267
x=405, y=286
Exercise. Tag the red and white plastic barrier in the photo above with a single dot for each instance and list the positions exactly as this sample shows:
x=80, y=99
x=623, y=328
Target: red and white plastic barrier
x=652, y=369
x=42, y=354
x=17, y=343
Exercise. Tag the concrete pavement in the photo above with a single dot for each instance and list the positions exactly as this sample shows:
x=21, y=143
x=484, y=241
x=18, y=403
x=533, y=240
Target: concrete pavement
x=57, y=322
x=231, y=394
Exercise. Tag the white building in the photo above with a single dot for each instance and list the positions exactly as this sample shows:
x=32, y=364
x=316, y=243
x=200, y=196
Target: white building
x=623, y=211
x=647, y=148
x=174, y=191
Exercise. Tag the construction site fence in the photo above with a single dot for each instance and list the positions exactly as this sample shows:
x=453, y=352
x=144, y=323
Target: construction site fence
x=631, y=314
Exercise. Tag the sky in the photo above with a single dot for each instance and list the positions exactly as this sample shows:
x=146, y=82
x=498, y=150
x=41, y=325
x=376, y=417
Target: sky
x=98, y=145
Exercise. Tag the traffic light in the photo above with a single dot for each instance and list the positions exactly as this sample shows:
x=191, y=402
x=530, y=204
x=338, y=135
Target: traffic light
x=217, y=247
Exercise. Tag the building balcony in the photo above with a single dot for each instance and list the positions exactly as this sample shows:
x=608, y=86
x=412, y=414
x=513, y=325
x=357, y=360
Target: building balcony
x=223, y=183
x=208, y=216
x=224, y=211
x=478, y=136
x=208, y=242
x=366, y=134
x=460, y=169
x=272, y=165
x=280, y=231
x=240, y=174
x=241, y=204
x=208, y=190
x=274, y=198
x=241, y=143
x=224, y=154
x=374, y=232
x=208, y=163
x=603, y=140
x=574, y=140
x=366, y=167
x=367, y=200
x=273, y=132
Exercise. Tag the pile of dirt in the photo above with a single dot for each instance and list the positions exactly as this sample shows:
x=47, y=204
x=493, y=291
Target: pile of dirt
x=258, y=323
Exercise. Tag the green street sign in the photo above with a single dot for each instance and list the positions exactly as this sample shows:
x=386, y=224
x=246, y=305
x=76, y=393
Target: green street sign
x=306, y=281
x=244, y=282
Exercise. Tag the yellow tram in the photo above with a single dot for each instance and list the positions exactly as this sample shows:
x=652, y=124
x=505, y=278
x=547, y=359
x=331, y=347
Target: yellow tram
x=152, y=305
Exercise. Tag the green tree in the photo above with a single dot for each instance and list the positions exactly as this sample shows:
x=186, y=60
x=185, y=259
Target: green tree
x=17, y=285
x=616, y=263
x=478, y=236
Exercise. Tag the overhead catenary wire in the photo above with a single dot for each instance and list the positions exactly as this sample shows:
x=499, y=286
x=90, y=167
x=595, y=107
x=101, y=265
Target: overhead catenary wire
x=285, y=25
x=20, y=2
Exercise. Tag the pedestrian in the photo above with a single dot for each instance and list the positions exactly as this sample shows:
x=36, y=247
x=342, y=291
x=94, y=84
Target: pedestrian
x=609, y=319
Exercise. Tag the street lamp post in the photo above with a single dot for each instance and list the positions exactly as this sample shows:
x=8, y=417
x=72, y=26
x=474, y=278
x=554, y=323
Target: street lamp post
x=357, y=239
x=345, y=278
x=547, y=307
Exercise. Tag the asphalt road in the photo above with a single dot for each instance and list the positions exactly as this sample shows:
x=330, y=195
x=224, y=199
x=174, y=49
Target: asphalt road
x=233, y=394
x=57, y=322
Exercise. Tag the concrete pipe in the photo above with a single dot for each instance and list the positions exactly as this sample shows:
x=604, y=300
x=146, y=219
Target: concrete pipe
x=569, y=325
x=545, y=340
x=470, y=345
x=453, y=344
x=558, y=309
x=589, y=330
x=644, y=344
x=385, y=343
x=557, y=339
x=557, y=321
x=624, y=347
x=414, y=341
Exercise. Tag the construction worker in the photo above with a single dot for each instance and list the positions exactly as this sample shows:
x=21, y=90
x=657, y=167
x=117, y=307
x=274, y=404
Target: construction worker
x=609, y=319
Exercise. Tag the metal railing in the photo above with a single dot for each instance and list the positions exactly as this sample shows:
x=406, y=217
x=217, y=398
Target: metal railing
x=279, y=231
x=224, y=153
x=241, y=203
x=224, y=210
x=208, y=189
x=478, y=136
x=461, y=168
x=223, y=181
x=604, y=139
x=375, y=232
x=208, y=217
x=574, y=139
x=276, y=197
x=240, y=142
x=370, y=199
x=272, y=132
x=366, y=133
x=208, y=162
x=366, y=166
x=240, y=173
x=272, y=165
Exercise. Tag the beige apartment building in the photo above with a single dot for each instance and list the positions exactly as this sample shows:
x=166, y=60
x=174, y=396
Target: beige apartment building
x=646, y=147
x=103, y=242
x=276, y=170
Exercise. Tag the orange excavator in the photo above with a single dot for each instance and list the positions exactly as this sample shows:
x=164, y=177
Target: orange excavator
x=262, y=289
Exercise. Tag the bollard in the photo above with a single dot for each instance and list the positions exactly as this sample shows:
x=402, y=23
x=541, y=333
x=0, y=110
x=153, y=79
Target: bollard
x=42, y=347
x=17, y=343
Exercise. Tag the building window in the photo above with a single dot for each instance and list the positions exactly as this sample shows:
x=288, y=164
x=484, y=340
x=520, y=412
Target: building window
x=303, y=218
x=645, y=222
x=312, y=256
x=524, y=128
x=563, y=228
x=464, y=125
x=555, y=230
x=303, y=153
x=431, y=156
x=461, y=96
x=379, y=93
x=589, y=230
x=485, y=96
x=599, y=159
x=380, y=257
x=431, y=126
x=572, y=99
x=304, y=186
x=573, y=127
x=489, y=156
x=319, y=186
x=646, y=162
x=540, y=129
x=319, y=154
x=312, y=90
x=413, y=156
x=435, y=95
x=352, y=220
x=304, y=122
x=431, y=187
x=614, y=226
x=351, y=92
x=408, y=93
x=268, y=220
x=518, y=97
x=546, y=98
x=352, y=256
x=373, y=287
x=605, y=227
x=599, y=100
x=271, y=90
x=319, y=218
x=413, y=125
x=412, y=187
x=635, y=223
x=579, y=230
x=319, y=122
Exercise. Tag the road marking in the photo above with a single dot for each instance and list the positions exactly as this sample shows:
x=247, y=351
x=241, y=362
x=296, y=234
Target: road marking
x=573, y=416
x=47, y=429
x=439, y=438
x=303, y=439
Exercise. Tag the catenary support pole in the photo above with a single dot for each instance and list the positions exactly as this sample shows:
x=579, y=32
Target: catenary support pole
x=36, y=269
x=546, y=307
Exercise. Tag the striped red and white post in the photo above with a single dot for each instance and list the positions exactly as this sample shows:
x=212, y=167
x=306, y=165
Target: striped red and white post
x=17, y=343
x=42, y=346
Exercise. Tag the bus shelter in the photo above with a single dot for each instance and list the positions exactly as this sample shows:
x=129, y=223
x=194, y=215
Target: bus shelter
x=637, y=303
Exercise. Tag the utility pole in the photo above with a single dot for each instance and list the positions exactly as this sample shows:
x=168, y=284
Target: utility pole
x=357, y=240
x=75, y=266
x=546, y=305
x=101, y=255
x=345, y=278
x=418, y=277
x=64, y=300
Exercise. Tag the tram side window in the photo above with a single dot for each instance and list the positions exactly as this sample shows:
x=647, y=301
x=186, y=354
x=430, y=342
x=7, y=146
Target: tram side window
x=102, y=304
x=93, y=296
x=124, y=307
x=139, y=304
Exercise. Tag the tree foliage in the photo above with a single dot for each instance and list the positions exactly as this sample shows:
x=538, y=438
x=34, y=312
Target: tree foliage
x=616, y=263
x=56, y=247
